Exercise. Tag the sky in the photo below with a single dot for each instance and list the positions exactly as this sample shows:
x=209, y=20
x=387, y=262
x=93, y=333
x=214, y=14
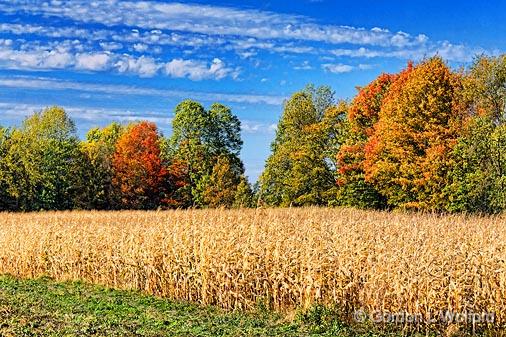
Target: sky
x=125, y=61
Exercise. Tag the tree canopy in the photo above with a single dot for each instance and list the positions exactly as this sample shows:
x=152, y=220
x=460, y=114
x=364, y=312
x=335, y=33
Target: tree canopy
x=301, y=170
x=427, y=138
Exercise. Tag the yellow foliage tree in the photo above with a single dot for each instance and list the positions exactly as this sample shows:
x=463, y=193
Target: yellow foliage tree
x=408, y=156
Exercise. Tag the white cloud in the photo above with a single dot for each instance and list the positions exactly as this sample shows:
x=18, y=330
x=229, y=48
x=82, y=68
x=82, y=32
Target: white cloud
x=460, y=53
x=360, y=52
x=204, y=27
x=197, y=70
x=338, y=68
x=144, y=66
x=304, y=66
x=110, y=46
x=57, y=60
x=273, y=127
x=189, y=31
x=140, y=47
x=380, y=30
x=402, y=39
x=92, y=114
x=257, y=127
x=31, y=82
x=93, y=61
x=66, y=55
x=449, y=51
x=210, y=20
x=246, y=54
x=5, y=42
x=35, y=58
x=365, y=66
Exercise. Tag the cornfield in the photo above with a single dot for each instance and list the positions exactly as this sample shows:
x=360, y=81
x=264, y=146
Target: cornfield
x=288, y=258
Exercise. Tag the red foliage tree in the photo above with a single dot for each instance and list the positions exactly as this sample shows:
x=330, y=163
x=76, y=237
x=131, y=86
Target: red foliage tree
x=362, y=116
x=140, y=176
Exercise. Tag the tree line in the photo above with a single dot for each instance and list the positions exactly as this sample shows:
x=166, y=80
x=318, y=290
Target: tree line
x=426, y=138
x=44, y=166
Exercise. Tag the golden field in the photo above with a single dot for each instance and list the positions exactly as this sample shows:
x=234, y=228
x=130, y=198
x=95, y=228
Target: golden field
x=375, y=261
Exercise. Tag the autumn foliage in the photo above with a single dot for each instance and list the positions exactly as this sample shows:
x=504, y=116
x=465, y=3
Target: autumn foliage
x=426, y=138
x=408, y=156
x=362, y=116
x=139, y=173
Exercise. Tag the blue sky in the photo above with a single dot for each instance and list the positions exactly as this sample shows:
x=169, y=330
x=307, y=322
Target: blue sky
x=122, y=61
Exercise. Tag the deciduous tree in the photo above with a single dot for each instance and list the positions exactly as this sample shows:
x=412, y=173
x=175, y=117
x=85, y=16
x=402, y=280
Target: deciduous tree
x=408, y=156
x=244, y=194
x=139, y=174
x=221, y=186
x=478, y=176
x=43, y=162
x=6, y=200
x=362, y=116
x=199, y=138
x=300, y=170
x=99, y=148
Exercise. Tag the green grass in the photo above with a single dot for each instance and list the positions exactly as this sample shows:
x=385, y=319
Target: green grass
x=43, y=307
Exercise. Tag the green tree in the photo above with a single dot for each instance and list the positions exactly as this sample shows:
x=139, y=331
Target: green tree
x=485, y=88
x=244, y=194
x=6, y=200
x=301, y=168
x=221, y=187
x=478, y=178
x=199, y=138
x=43, y=162
x=98, y=149
x=323, y=97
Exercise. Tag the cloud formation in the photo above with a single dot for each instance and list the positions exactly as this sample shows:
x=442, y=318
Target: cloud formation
x=137, y=37
x=31, y=82
x=66, y=54
x=90, y=114
x=197, y=71
x=210, y=20
x=338, y=68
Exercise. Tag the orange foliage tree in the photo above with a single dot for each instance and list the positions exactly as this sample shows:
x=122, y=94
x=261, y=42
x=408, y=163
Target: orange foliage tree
x=408, y=155
x=140, y=175
x=362, y=116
